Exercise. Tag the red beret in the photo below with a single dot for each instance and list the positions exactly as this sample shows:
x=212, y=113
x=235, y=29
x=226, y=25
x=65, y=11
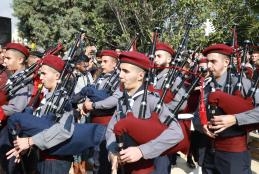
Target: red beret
x=54, y=62
x=135, y=58
x=18, y=47
x=109, y=53
x=165, y=47
x=203, y=60
x=218, y=48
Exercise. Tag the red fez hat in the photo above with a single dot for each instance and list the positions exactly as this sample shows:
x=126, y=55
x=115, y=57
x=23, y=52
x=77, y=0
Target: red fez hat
x=109, y=53
x=165, y=47
x=218, y=48
x=203, y=60
x=18, y=47
x=135, y=58
x=54, y=62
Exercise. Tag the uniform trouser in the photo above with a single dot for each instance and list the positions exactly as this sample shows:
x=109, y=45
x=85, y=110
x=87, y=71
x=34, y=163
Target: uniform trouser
x=6, y=166
x=220, y=162
x=162, y=165
x=104, y=166
x=53, y=166
x=9, y=166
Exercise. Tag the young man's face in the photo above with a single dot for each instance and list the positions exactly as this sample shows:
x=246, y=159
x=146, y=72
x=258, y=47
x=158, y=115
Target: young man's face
x=255, y=57
x=217, y=64
x=131, y=76
x=108, y=64
x=49, y=77
x=32, y=59
x=162, y=58
x=203, y=68
x=12, y=61
x=2, y=53
x=82, y=66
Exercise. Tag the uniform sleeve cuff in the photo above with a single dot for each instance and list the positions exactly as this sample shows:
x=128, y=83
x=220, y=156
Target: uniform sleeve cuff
x=36, y=139
x=97, y=105
x=145, y=151
x=240, y=119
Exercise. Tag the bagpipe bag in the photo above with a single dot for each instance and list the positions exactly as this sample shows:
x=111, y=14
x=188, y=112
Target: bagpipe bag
x=92, y=93
x=144, y=130
x=84, y=135
x=231, y=104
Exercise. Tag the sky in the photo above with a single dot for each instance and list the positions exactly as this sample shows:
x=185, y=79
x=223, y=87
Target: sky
x=6, y=11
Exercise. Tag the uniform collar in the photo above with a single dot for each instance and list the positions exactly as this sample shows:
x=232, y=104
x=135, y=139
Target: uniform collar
x=131, y=99
x=107, y=74
x=222, y=79
x=17, y=73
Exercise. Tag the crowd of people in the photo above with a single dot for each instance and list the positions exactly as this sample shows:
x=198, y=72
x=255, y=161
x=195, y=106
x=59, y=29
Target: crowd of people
x=118, y=111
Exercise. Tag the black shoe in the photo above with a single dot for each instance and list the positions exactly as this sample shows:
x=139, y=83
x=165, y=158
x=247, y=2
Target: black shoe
x=191, y=164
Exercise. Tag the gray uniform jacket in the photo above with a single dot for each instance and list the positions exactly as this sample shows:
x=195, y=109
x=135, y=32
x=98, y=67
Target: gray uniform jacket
x=19, y=100
x=168, y=138
x=83, y=80
x=57, y=133
x=111, y=101
x=249, y=117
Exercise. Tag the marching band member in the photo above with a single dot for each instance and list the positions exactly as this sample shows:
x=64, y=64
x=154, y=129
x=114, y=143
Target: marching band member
x=15, y=58
x=219, y=154
x=57, y=133
x=133, y=69
x=101, y=111
x=164, y=55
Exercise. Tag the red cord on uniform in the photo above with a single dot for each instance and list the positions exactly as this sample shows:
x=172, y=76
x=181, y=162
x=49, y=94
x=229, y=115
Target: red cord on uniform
x=2, y=114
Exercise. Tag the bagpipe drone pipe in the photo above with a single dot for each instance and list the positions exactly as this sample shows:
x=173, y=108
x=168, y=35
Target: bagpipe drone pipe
x=84, y=135
x=17, y=82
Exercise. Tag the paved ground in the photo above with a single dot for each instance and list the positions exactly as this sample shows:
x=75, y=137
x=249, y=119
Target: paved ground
x=182, y=168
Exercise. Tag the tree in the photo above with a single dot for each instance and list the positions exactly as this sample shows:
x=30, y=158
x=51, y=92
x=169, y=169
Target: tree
x=114, y=22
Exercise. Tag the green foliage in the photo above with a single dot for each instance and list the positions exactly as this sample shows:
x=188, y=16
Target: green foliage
x=114, y=22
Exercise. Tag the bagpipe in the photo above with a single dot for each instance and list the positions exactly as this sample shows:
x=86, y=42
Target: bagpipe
x=17, y=82
x=24, y=78
x=230, y=100
x=54, y=50
x=84, y=135
x=95, y=95
x=142, y=130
